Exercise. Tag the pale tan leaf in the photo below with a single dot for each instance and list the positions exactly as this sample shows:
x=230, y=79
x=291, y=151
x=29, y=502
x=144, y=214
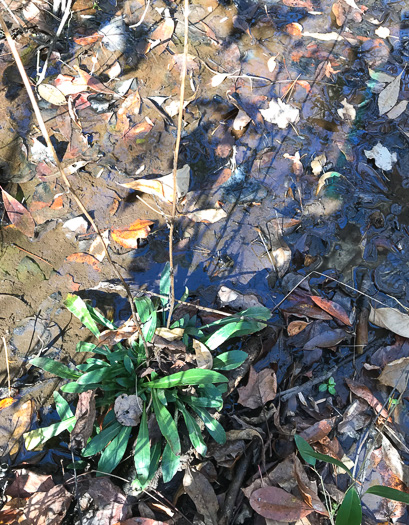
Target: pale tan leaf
x=397, y=111
x=51, y=94
x=202, y=494
x=204, y=358
x=396, y=374
x=210, y=215
x=174, y=334
x=389, y=96
x=391, y=319
x=218, y=79
x=163, y=187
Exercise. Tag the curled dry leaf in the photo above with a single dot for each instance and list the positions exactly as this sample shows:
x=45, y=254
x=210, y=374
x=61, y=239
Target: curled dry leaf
x=295, y=327
x=298, y=168
x=383, y=158
x=391, y=319
x=323, y=180
x=277, y=504
x=261, y=388
x=202, y=494
x=128, y=237
x=128, y=410
x=308, y=490
x=332, y=308
x=204, y=358
x=163, y=187
x=85, y=417
x=18, y=214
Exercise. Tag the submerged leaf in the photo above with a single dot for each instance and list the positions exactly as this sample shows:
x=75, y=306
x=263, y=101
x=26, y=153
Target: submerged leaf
x=389, y=96
x=280, y=113
x=128, y=237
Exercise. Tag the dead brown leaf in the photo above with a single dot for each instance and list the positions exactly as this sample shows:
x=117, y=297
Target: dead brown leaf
x=396, y=374
x=261, y=388
x=85, y=417
x=48, y=508
x=332, y=308
x=295, y=327
x=161, y=36
x=129, y=237
x=277, y=504
x=19, y=216
x=318, y=431
x=202, y=494
x=364, y=392
x=27, y=483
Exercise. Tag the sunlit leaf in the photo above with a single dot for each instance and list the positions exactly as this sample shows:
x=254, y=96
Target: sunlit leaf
x=166, y=424
x=350, y=511
x=114, y=452
x=54, y=367
x=18, y=214
x=39, y=436
x=194, y=376
x=128, y=237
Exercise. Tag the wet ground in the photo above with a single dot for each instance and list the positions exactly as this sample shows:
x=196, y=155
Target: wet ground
x=283, y=217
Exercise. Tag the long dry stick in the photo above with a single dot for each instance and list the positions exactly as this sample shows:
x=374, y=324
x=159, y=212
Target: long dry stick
x=67, y=183
x=7, y=365
x=175, y=163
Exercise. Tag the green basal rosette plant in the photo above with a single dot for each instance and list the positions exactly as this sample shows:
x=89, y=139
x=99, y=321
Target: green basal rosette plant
x=189, y=395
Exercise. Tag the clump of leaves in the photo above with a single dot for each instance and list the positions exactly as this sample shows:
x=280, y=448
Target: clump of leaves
x=140, y=392
x=350, y=510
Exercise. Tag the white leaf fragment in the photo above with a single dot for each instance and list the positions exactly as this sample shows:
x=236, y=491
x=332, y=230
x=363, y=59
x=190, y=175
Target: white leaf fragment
x=397, y=111
x=391, y=319
x=380, y=77
x=280, y=113
x=382, y=32
x=271, y=63
x=317, y=164
x=348, y=112
x=326, y=37
x=383, y=158
x=210, y=215
x=218, y=79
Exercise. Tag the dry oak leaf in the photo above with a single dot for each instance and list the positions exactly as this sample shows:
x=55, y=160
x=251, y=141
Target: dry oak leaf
x=48, y=508
x=261, y=388
x=128, y=237
x=277, y=504
x=19, y=216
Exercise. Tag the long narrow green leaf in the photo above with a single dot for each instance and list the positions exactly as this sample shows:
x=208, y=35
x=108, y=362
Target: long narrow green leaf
x=214, y=428
x=229, y=360
x=114, y=452
x=75, y=388
x=77, y=307
x=155, y=457
x=195, y=376
x=350, y=510
x=233, y=329
x=193, y=429
x=101, y=440
x=54, y=367
x=309, y=455
x=37, y=437
x=164, y=285
x=170, y=464
x=99, y=318
x=166, y=424
x=95, y=376
x=142, y=455
x=82, y=346
x=389, y=492
x=62, y=407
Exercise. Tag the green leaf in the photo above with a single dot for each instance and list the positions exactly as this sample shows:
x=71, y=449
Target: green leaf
x=309, y=455
x=195, y=376
x=82, y=346
x=114, y=452
x=212, y=425
x=229, y=360
x=332, y=390
x=144, y=307
x=129, y=365
x=166, y=424
x=350, y=510
x=37, y=437
x=202, y=401
x=75, y=388
x=99, y=318
x=63, y=408
x=170, y=464
x=193, y=429
x=77, y=307
x=54, y=367
x=100, y=441
x=96, y=376
x=233, y=329
x=164, y=285
x=155, y=457
x=323, y=387
x=142, y=455
x=389, y=492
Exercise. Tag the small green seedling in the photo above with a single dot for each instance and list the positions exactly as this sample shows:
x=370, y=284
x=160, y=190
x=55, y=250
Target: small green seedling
x=328, y=386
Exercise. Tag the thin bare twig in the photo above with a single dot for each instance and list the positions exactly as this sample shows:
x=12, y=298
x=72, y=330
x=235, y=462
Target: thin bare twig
x=142, y=17
x=7, y=365
x=175, y=162
x=67, y=183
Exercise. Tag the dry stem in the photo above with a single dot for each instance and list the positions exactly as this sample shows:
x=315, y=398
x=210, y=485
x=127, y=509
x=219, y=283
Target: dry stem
x=67, y=183
x=175, y=163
